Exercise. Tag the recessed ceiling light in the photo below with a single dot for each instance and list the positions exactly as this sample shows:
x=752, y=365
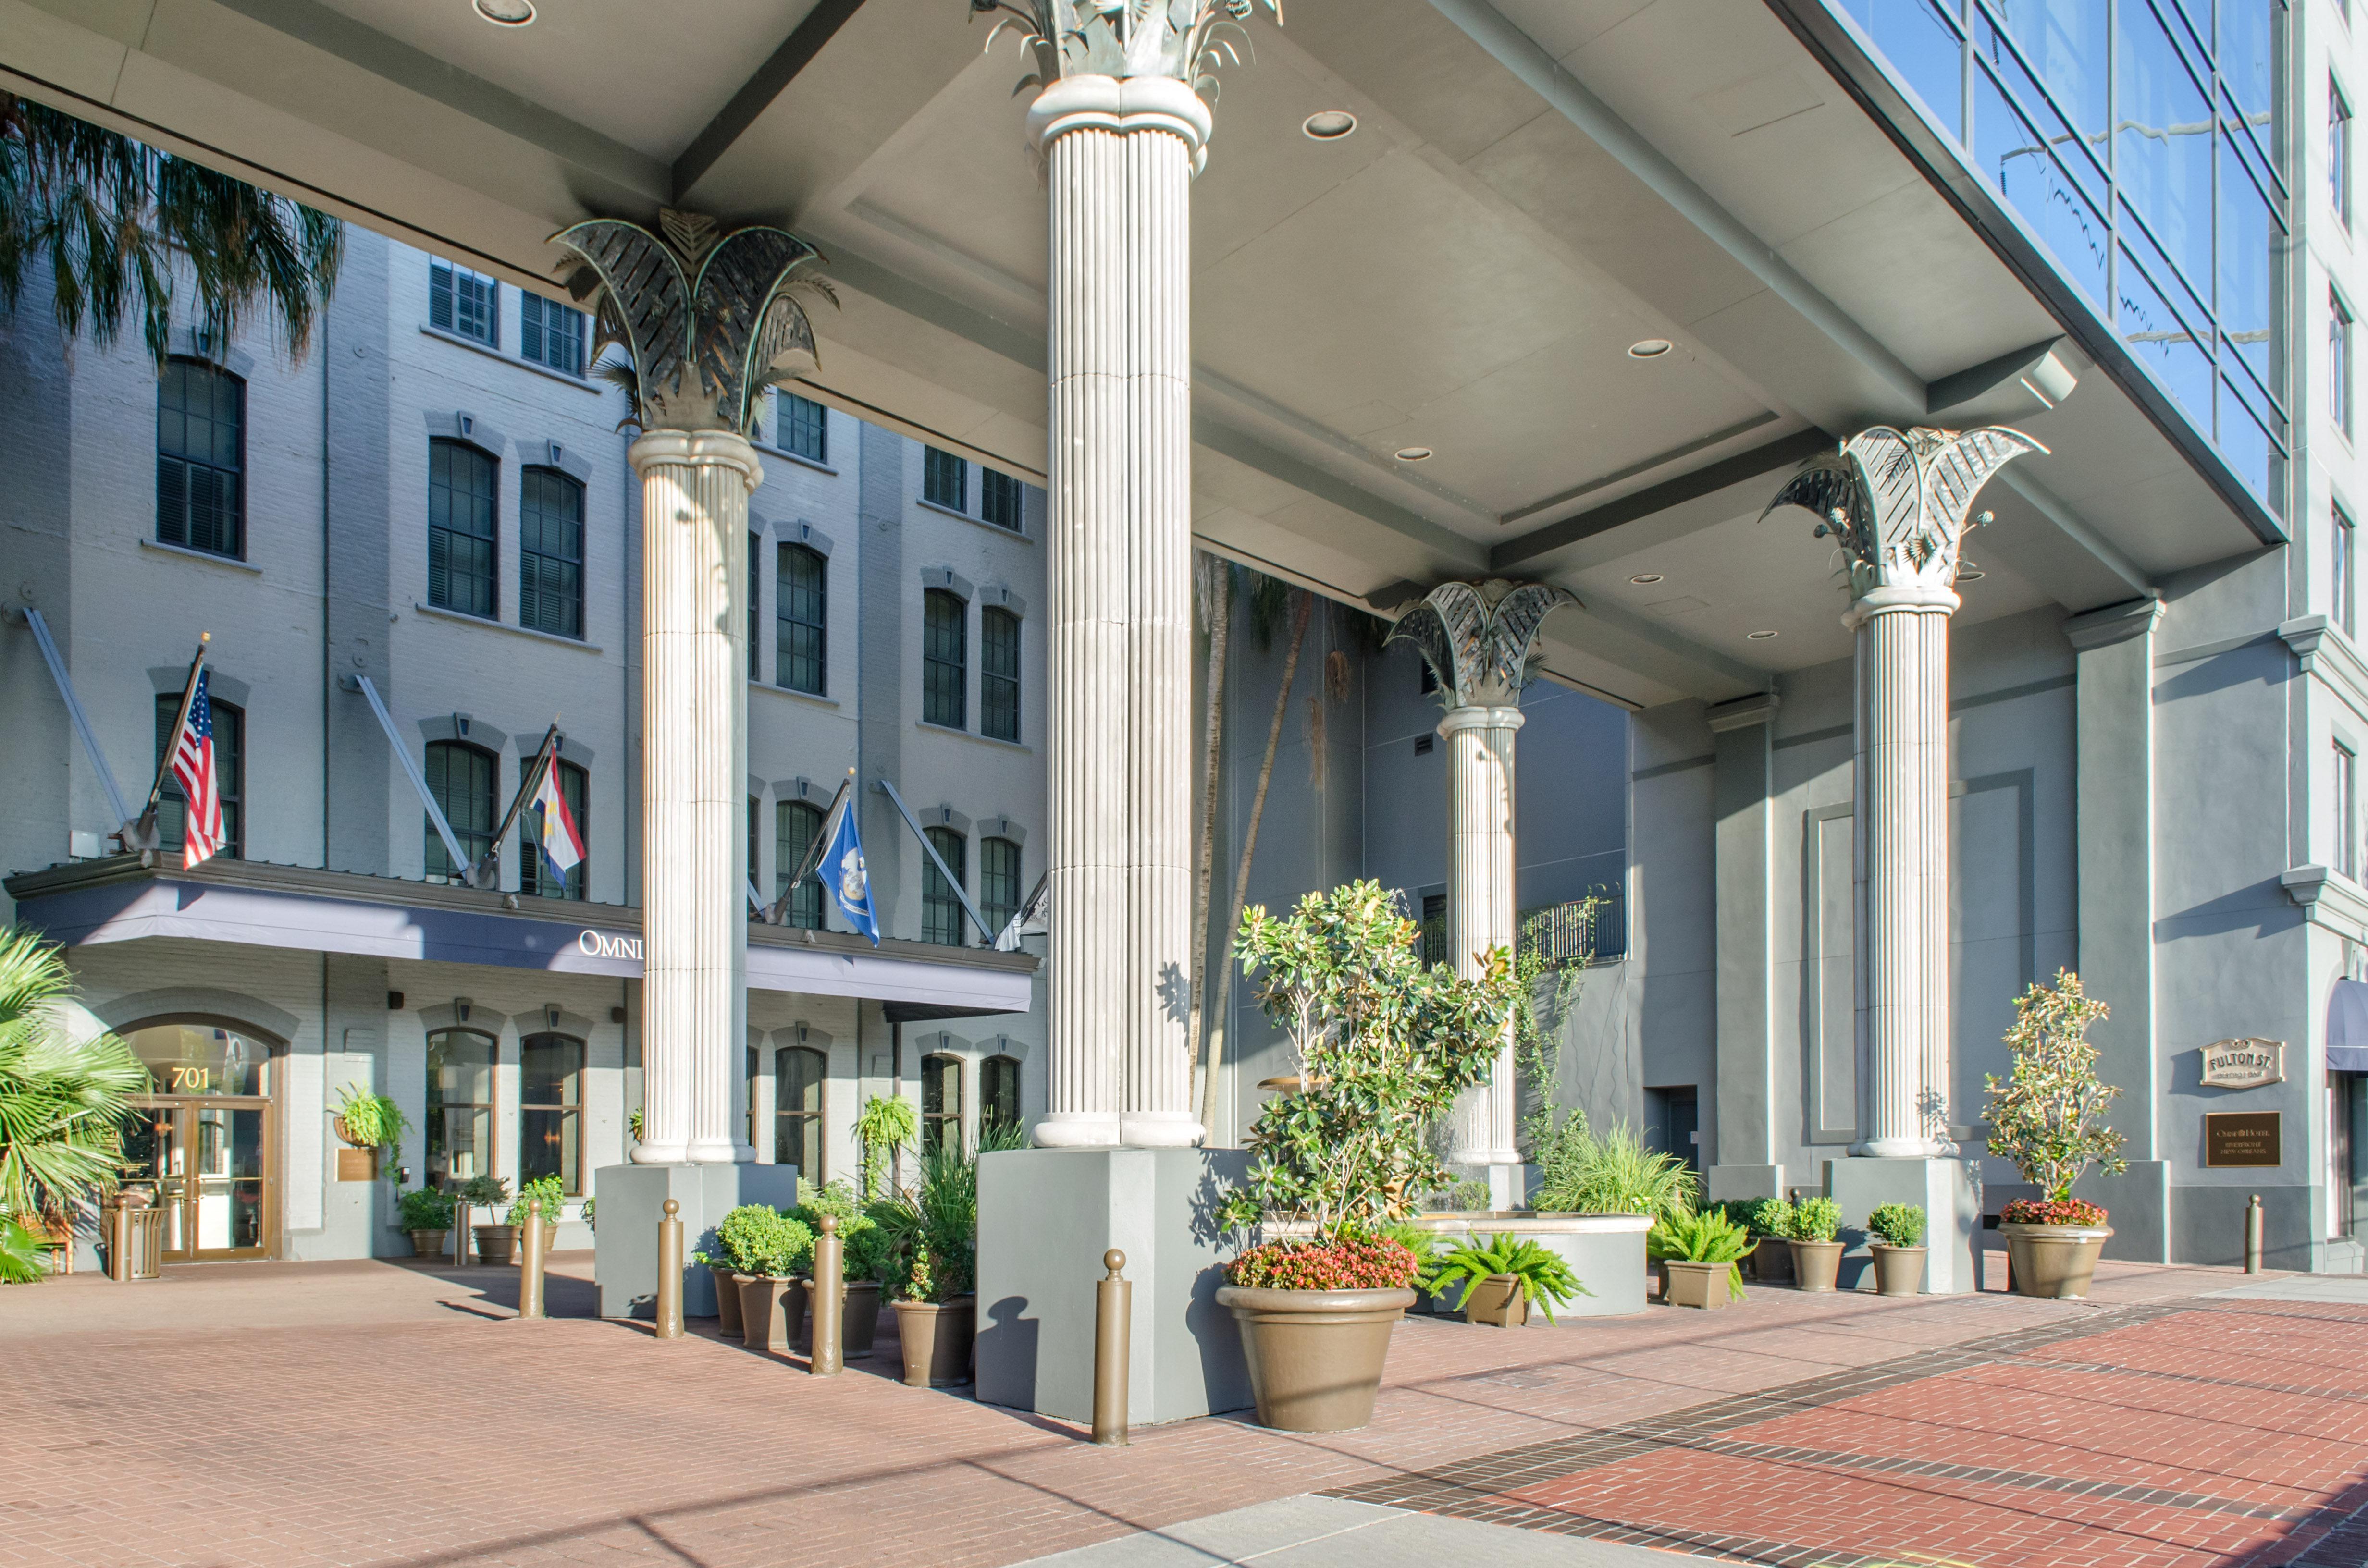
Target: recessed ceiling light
x=1645, y=579
x=1329, y=125
x=1651, y=348
x=1972, y=574
x=507, y=12
x=1759, y=636
x=1413, y=454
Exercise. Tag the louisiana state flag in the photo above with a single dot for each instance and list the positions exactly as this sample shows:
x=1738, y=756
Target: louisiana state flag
x=842, y=871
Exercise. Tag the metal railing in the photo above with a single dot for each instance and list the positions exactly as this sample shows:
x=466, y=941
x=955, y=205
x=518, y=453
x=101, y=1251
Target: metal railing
x=1589, y=930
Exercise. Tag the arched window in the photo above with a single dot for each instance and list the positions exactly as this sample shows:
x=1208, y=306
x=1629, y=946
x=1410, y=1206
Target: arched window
x=460, y=529
x=941, y=1096
x=945, y=659
x=461, y=778
x=551, y=1116
x=802, y=617
x=999, y=1092
x=459, y=1106
x=998, y=882
x=201, y=457
x=550, y=552
x=798, y=1078
x=998, y=674
x=230, y=772
x=534, y=871
x=941, y=910
x=795, y=824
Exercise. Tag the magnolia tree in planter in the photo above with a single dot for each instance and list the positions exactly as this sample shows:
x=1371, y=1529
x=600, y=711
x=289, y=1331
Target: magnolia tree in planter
x=2048, y=1118
x=1384, y=1044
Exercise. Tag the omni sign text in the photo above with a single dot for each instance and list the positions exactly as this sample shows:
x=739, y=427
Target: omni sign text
x=601, y=945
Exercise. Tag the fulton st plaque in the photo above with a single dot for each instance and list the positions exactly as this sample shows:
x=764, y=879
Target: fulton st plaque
x=2244, y=1064
x=2241, y=1137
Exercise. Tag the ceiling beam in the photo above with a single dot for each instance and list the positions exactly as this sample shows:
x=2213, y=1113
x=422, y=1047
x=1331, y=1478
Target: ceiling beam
x=756, y=94
x=1766, y=461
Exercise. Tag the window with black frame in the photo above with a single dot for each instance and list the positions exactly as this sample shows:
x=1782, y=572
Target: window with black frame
x=999, y=1092
x=460, y=519
x=465, y=304
x=1000, y=499
x=795, y=825
x=550, y=333
x=941, y=1108
x=801, y=620
x=998, y=674
x=804, y=430
x=945, y=659
x=998, y=882
x=229, y=774
x=534, y=871
x=201, y=459
x=550, y=552
x=945, y=479
x=551, y=1124
x=460, y=778
x=460, y=1107
x=941, y=910
x=799, y=1076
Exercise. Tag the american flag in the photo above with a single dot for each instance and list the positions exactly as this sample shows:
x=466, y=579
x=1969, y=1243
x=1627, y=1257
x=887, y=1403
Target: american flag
x=193, y=770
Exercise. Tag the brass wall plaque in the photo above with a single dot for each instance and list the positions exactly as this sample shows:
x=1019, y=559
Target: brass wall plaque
x=361, y=1165
x=2244, y=1064
x=2242, y=1137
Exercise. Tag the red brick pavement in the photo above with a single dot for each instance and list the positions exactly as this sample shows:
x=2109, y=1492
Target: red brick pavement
x=293, y=1416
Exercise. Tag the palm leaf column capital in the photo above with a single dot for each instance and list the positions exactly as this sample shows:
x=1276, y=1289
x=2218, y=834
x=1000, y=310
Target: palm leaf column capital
x=1479, y=638
x=1897, y=501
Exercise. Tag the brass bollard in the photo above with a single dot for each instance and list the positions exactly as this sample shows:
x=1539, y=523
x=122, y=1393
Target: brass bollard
x=119, y=1239
x=669, y=1309
x=2253, y=1236
x=531, y=1261
x=827, y=1310
x=1113, y=1303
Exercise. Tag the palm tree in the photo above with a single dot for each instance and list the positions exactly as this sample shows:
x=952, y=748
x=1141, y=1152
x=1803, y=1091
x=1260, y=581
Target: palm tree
x=63, y=1099
x=1215, y=582
x=123, y=227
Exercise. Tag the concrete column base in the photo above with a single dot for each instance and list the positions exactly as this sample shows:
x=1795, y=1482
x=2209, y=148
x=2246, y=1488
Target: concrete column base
x=1045, y=1217
x=632, y=1202
x=1950, y=1192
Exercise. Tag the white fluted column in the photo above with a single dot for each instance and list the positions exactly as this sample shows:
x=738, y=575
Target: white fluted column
x=1121, y=154
x=695, y=489
x=1903, y=766
x=1480, y=911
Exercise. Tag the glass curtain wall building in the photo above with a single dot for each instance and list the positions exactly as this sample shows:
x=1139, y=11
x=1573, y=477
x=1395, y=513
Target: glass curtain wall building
x=2139, y=142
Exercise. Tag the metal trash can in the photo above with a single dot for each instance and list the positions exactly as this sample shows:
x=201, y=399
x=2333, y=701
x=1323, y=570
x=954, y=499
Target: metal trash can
x=135, y=1238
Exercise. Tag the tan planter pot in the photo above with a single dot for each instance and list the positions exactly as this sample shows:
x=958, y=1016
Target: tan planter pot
x=496, y=1244
x=1814, y=1264
x=859, y=1316
x=936, y=1336
x=762, y=1325
x=794, y=1311
x=428, y=1243
x=1497, y=1302
x=1771, y=1261
x=727, y=1300
x=2055, y=1261
x=1314, y=1355
x=1898, y=1271
x=550, y=1238
x=1705, y=1285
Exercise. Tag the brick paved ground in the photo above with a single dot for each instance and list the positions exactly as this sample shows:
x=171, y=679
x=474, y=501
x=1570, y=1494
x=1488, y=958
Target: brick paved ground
x=296, y=1414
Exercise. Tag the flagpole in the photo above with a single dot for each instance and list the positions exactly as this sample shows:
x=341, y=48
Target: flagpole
x=527, y=783
x=775, y=910
x=146, y=826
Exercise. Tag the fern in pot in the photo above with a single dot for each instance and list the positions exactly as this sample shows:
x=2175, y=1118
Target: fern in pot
x=1383, y=1045
x=1499, y=1281
x=1698, y=1255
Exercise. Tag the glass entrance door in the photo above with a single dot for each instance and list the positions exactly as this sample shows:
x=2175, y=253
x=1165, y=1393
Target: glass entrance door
x=204, y=1155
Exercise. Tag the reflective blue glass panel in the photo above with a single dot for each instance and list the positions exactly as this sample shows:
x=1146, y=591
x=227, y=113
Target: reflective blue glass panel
x=2244, y=444
x=1923, y=48
x=2162, y=145
x=2248, y=67
x=2065, y=42
x=2249, y=238
x=2011, y=154
x=2161, y=341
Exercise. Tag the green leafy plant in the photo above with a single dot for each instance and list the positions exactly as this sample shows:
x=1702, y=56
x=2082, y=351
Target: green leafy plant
x=883, y=1128
x=587, y=1214
x=633, y=1123
x=372, y=1121
x=62, y=1099
x=549, y=1191
x=1816, y=1220
x=1770, y=1217
x=21, y=1254
x=1384, y=1044
x=483, y=1191
x=936, y=1222
x=1616, y=1174
x=424, y=1208
x=760, y=1240
x=835, y=1199
x=869, y=1251
x=1545, y=1274
x=1899, y=1224
x=2048, y=1118
x=1700, y=1238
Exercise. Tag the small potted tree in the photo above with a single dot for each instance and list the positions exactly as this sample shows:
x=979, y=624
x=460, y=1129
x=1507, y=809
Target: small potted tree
x=1817, y=1255
x=496, y=1243
x=1384, y=1044
x=426, y=1215
x=1896, y=1236
x=2048, y=1118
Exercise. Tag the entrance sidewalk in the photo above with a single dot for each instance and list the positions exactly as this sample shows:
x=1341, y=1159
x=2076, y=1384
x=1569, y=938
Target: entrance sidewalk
x=296, y=1414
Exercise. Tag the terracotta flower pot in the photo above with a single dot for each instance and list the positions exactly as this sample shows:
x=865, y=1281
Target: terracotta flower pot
x=1814, y=1264
x=1898, y=1271
x=1497, y=1302
x=727, y=1300
x=1705, y=1285
x=428, y=1243
x=762, y=1325
x=1314, y=1355
x=2055, y=1261
x=1771, y=1261
x=859, y=1316
x=496, y=1244
x=936, y=1336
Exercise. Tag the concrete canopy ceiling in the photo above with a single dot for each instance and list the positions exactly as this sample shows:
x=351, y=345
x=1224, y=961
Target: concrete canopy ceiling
x=1532, y=187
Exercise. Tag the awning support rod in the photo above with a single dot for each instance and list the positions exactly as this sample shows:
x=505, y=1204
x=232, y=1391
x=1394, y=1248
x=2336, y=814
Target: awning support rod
x=115, y=802
x=411, y=771
x=931, y=850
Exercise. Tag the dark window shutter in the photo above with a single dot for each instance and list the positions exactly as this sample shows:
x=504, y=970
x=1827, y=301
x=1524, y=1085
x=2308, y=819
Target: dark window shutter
x=171, y=501
x=440, y=296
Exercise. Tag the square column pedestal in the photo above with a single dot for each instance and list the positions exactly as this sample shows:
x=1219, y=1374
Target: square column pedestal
x=1045, y=1217
x=1950, y=1192
x=625, y=1235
